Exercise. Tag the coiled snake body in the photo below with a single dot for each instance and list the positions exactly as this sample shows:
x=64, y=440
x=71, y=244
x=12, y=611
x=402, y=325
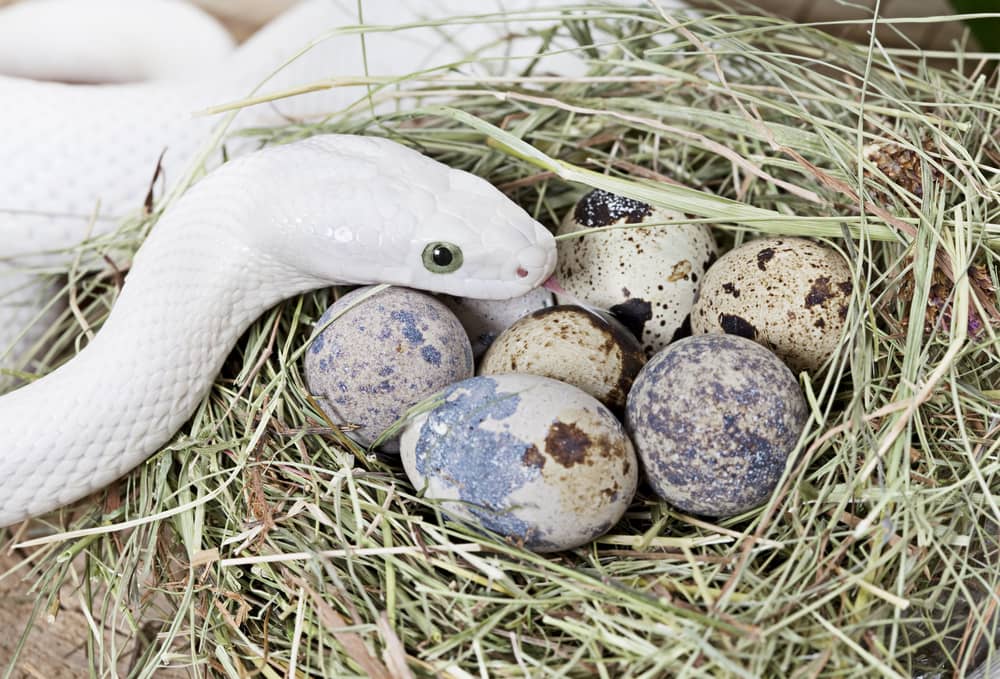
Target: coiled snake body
x=330, y=209
x=72, y=154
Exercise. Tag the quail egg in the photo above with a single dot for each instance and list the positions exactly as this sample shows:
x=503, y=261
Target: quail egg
x=587, y=349
x=382, y=355
x=485, y=319
x=530, y=458
x=646, y=276
x=789, y=294
x=714, y=419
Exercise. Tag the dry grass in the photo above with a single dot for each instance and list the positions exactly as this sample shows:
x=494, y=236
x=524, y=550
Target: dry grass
x=276, y=548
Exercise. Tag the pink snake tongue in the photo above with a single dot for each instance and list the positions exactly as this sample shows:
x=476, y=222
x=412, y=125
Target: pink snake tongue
x=552, y=284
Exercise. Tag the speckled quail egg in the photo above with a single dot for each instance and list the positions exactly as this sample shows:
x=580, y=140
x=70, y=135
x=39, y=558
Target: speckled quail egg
x=714, y=419
x=584, y=348
x=646, y=276
x=789, y=294
x=379, y=358
x=530, y=458
x=485, y=319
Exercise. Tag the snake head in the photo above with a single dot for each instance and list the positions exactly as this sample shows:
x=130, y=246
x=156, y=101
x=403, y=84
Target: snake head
x=479, y=244
x=368, y=210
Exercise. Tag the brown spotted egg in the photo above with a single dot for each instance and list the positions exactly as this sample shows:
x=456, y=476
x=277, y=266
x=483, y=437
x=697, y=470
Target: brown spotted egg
x=647, y=277
x=584, y=348
x=532, y=459
x=789, y=294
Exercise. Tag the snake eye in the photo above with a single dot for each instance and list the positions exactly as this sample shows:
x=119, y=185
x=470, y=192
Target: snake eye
x=442, y=257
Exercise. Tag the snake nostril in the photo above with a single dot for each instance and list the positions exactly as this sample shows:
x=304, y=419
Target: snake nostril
x=532, y=257
x=522, y=272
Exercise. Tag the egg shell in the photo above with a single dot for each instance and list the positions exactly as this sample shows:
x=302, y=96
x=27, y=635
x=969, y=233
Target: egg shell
x=714, y=419
x=646, y=276
x=382, y=356
x=485, y=319
x=569, y=343
x=533, y=459
x=788, y=294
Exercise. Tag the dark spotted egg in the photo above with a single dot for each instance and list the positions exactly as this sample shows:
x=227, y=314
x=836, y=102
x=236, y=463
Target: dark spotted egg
x=647, y=276
x=714, y=419
x=584, y=348
x=789, y=294
x=533, y=459
x=380, y=356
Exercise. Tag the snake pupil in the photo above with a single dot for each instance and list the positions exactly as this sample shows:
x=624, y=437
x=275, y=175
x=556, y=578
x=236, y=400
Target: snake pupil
x=442, y=255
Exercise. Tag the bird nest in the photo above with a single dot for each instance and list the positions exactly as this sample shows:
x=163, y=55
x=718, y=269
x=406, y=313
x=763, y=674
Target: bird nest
x=261, y=540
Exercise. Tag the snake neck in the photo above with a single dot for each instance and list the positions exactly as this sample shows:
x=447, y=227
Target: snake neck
x=194, y=288
x=196, y=285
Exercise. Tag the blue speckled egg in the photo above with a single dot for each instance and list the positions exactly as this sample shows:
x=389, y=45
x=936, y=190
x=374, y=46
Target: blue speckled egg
x=714, y=419
x=531, y=458
x=382, y=356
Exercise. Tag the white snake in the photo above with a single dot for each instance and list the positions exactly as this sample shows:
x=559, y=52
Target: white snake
x=140, y=40
x=331, y=209
x=66, y=149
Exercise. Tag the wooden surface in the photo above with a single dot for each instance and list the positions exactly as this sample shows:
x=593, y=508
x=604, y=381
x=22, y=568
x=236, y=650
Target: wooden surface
x=243, y=17
x=53, y=651
x=56, y=648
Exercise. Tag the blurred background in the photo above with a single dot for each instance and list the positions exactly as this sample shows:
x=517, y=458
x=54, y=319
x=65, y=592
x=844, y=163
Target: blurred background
x=244, y=17
x=932, y=36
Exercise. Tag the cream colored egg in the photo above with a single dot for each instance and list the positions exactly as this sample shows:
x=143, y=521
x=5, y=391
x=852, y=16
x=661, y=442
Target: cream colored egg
x=647, y=277
x=788, y=294
x=588, y=350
